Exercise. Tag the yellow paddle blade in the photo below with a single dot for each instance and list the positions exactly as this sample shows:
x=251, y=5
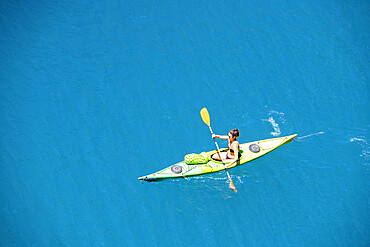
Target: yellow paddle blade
x=232, y=186
x=205, y=116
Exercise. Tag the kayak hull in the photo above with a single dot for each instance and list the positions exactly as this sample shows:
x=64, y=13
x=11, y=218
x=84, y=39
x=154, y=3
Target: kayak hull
x=249, y=151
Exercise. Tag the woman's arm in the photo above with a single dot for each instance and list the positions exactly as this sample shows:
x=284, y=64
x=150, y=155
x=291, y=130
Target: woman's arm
x=220, y=136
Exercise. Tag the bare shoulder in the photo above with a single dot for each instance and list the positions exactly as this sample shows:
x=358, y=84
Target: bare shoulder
x=235, y=143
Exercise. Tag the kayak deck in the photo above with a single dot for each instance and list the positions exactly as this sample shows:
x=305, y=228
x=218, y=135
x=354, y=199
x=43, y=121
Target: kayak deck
x=249, y=151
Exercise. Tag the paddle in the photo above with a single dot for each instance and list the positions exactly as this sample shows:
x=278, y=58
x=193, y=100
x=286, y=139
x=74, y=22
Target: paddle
x=205, y=116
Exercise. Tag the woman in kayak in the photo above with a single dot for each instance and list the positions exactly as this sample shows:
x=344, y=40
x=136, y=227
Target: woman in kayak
x=232, y=154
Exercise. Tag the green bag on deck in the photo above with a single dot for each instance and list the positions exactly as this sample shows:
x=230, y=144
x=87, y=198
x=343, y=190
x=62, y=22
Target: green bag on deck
x=194, y=159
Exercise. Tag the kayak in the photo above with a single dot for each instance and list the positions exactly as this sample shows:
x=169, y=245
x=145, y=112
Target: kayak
x=248, y=152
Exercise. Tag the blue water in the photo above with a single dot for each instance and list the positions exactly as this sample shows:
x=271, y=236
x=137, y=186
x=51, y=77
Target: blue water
x=96, y=94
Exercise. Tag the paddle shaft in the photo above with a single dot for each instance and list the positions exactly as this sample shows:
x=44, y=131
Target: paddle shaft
x=206, y=119
x=219, y=154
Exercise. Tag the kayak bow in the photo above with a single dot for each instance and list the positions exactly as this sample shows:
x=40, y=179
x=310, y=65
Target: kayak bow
x=249, y=151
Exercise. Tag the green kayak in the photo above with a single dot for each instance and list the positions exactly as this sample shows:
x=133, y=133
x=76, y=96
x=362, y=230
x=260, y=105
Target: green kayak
x=249, y=151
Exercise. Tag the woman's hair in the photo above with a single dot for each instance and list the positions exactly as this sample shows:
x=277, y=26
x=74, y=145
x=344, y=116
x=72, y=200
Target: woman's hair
x=234, y=132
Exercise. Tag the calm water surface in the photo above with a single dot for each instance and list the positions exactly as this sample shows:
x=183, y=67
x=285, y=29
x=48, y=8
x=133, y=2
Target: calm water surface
x=94, y=95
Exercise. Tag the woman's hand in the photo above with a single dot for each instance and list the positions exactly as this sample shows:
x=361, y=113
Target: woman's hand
x=231, y=163
x=213, y=136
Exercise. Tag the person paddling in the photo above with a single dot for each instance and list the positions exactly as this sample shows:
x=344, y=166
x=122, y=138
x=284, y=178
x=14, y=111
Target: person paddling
x=232, y=154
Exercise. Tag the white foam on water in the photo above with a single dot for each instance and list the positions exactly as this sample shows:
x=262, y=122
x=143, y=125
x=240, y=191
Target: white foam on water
x=275, y=125
x=314, y=134
x=240, y=179
x=274, y=118
x=276, y=112
x=354, y=139
x=202, y=177
x=364, y=144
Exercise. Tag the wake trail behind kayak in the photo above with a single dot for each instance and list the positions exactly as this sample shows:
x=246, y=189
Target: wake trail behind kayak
x=205, y=178
x=314, y=134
